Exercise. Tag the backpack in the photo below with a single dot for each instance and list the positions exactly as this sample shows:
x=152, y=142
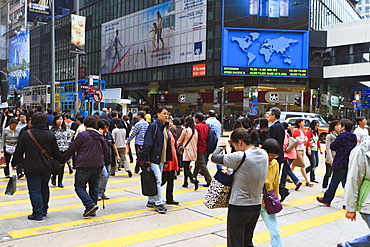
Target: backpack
x=211, y=141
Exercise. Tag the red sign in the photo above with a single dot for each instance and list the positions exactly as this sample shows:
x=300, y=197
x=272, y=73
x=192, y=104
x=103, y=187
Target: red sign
x=199, y=69
x=98, y=96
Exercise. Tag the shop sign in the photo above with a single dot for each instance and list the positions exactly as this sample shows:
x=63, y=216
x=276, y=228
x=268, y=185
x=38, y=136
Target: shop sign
x=324, y=99
x=281, y=97
x=188, y=98
x=334, y=101
x=199, y=69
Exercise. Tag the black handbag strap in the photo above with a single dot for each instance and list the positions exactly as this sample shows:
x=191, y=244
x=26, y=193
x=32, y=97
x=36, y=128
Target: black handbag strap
x=264, y=191
x=189, y=139
x=239, y=165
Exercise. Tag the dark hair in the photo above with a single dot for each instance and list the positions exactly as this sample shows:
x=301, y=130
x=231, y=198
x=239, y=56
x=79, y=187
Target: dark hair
x=102, y=124
x=348, y=125
x=13, y=121
x=125, y=117
x=67, y=115
x=237, y=124
x=141, y=114
x=297, y=122
x=359, y=119
x=312, y=126
x=22, y=114
x=275, y=112
x=39, y=118
x=246, y=122
x=189, y=122
x=80, y=118
x=177, y=121
x=271, y=146
x=333, y=124
x=199, y=116
x=211, y=113
x=286, y=127
x=50, y=111
x=247, y=136
x=91, y=122
x=118, y=123
x=264, y=124
x=160, y=109
x=54, y=123
x=114, y=113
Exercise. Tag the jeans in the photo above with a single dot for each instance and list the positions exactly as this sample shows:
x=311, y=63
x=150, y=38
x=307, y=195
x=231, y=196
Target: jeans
x=104, y=180
x=363, y=241
x=287, y=171
x=339, y=175
x=38, y=189
x=157, y=169
x=138, y=162
x=314, y=162
x=91, y=177
x=200, y=164
x=272, y=225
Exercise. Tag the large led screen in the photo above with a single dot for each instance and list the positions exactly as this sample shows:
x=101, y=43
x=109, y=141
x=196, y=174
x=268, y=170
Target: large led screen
x=277, y=53
x=168, y=33
x=19, y=61
x=267, y=14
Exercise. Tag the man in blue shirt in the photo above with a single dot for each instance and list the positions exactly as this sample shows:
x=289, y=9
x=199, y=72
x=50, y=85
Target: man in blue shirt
x=139, y=133
x=50, y=116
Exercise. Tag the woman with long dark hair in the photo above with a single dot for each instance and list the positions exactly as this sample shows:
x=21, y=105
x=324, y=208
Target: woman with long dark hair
x=312, y=149
x=64, y=137
x=246, y=197
x=189, y=138
x=263, y=129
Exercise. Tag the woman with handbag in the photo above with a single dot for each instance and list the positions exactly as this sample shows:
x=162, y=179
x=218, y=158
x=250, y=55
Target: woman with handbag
x=312, y=149
x=64, y=137
x=177, y=128
x=9, y=143
x=246, y=197
x=272, y=148
x=289, y=157
x=300, y=135
x=187, y=145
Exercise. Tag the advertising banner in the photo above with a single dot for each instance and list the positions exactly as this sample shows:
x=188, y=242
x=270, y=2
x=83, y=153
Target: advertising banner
x=19, y=62
x=168, y=33
x=78, y=24
x=39, y=11
x=277, y=53
x=267, y=14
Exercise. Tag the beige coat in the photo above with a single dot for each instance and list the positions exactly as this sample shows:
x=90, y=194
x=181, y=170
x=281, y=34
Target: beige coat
x=190, y=152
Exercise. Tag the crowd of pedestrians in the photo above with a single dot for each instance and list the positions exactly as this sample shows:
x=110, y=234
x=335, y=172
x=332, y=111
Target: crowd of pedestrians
x=98, y=146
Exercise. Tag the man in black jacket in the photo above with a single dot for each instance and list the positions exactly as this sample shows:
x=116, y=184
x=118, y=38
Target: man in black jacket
x=37, y=166
x=157, y=151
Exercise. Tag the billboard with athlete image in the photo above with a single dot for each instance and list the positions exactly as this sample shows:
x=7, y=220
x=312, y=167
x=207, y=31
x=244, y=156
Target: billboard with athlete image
x=168, y=33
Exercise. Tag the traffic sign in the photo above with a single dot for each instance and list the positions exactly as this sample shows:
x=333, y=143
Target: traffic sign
x=98, y=96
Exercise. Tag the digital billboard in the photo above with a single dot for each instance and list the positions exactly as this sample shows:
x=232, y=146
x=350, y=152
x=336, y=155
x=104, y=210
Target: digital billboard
x=267, y=14
x=168, y=33
x=265, y=53
x=19, y=59
x=39, y=11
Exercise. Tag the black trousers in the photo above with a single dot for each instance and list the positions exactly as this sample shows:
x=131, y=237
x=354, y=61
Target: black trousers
x=187, y=172
x=241, y=221
x=58, y=172
x=168, y=177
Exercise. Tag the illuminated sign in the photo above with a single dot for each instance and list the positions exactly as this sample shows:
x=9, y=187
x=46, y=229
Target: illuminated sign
x=275, y=53
x=199, y=69
x=264, y=72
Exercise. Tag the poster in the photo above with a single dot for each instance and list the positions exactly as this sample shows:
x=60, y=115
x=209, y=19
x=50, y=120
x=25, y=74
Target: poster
x=78, y=25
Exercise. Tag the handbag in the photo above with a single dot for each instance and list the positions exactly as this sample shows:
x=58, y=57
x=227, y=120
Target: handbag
x=272, y=202
x=219, y=191
x=292, y=144
x=11, y=187
x=10, y=149
x=2, y=162
x=148, y=183
x=140, y=154
x=181, y=148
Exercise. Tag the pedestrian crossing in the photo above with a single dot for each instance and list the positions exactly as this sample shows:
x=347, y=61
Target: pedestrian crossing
x=187, y=223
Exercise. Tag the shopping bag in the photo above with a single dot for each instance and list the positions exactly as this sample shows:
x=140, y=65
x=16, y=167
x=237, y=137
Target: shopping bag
x=12, y=185
x=148, y=183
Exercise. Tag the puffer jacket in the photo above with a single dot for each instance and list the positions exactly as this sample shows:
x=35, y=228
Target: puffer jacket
x=91, y=149
x=357, y=190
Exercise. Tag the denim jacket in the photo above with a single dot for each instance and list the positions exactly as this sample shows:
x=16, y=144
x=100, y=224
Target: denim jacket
x=153, y=145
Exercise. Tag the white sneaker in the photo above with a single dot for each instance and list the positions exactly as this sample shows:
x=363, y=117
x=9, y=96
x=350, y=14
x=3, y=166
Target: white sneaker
x=324, y=190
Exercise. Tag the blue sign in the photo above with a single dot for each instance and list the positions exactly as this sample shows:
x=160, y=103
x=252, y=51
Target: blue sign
x=365, y=98
x=278, y=53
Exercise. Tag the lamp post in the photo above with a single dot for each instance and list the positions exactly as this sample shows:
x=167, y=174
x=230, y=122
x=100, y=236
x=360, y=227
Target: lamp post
x=76, y=73
x=52, y=95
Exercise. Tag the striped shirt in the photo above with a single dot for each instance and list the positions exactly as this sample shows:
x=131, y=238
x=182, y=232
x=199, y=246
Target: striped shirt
x=139, y=132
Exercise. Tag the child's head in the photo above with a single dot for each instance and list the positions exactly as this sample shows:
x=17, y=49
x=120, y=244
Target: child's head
x=154, y=24
x=272, y=147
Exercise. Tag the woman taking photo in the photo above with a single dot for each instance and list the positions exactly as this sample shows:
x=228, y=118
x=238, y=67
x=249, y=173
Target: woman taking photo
x=312, y=148
x=300, y=135
x=246, y=191
x=64, y=137
x=9, y=143
x=189, y=140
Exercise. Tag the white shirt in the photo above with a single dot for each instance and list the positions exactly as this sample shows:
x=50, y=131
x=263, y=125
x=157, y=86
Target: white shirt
x=359, y=132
